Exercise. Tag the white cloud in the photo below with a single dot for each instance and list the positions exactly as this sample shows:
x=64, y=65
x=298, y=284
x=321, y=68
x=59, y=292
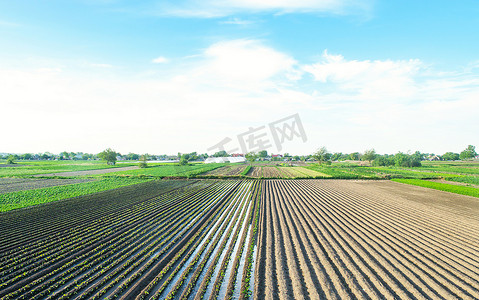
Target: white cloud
x=221, y=8
x=244, y=62
x=347, y=105
x=160, y=60
x=373, y=79
x=237, y=21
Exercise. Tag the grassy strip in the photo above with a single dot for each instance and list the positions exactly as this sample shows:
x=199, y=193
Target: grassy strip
x=465, y=179
x=27, y=198
x=457, y=189
x=245, y=171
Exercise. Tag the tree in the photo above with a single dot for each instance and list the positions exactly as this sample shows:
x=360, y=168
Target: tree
x=450, y=156
x=251, y=157
x=354, y=156
x=143, y=161
x=369, y=155
x=10, y=159
x=183, y=161
x=27, y=156
x=263, y=153
x=468, y=153
x=221, y=153
x=406, y=160
x=384, y=160
x=108, y=155
x=322, y=155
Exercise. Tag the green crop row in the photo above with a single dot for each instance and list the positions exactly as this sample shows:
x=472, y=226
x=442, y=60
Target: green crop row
x=27, y=198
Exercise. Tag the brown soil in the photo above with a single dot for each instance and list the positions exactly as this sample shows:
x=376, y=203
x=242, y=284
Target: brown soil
x=366, y=239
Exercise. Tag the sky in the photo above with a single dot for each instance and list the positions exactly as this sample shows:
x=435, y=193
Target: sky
x=164, y=77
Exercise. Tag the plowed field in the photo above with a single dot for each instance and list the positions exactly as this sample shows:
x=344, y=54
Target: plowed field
x=354, y=239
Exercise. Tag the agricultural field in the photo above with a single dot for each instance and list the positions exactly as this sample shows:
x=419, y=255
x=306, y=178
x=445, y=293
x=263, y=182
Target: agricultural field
x=8, y=185
x=284, y=172
x=365, y=239
x=30, y=168
x=240, y=239
x=255, y=172
x=50, y=190
x=170, y=170
x=228, y=171
x=156, y=240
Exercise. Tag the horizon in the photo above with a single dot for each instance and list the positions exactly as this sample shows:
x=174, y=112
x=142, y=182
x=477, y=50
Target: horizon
x=157, y=76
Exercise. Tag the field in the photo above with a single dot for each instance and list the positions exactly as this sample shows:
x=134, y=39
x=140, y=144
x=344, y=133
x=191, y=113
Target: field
x=236, y=239
x=156, y=239
x=364, y=239
x=30, y=168
x=53, y=190
x=284, y=172
x=222, y=231
x=22, y=184
x=226, y=171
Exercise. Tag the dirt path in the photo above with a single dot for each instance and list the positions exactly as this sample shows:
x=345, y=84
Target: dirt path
x=87, y=172
x=367, y=239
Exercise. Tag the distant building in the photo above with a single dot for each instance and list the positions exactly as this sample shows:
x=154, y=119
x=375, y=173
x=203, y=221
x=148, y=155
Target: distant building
x=237, y=155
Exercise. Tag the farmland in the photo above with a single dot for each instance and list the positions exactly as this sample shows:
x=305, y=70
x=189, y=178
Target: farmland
x=226, y=231
x=284, y=172
x=157, y=239
x=363, y=239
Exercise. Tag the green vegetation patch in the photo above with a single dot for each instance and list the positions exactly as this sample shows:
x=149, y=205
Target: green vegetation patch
x=46, y=167
x=457, y=189
x=465, y=179
x=172, y=170
x=334, y=172
x=21, y=199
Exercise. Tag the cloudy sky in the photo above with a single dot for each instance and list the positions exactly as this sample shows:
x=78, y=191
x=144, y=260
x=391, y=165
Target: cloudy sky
x=180, y=76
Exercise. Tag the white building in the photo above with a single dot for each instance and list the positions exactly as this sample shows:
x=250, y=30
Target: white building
x=225, y=160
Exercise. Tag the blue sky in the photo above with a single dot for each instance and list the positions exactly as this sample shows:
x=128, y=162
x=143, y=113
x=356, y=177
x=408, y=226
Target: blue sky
x=169, y=76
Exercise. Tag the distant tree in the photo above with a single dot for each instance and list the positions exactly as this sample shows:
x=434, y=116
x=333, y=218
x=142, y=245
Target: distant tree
x=10, y=159
x=418, y=156
x=468, y=153
x=263, y=153
x=64, y=155
x=108, y=155
x=406, y=160
x=336, y=156
x=450, y=156
x=27, y=156
x=143, y=161
x=354, y=156
x=296, y=158
x=183, y=161
x=221, y=153
x=322, y=155
x=369, y=155
x=384, y=160
x=251, y=157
